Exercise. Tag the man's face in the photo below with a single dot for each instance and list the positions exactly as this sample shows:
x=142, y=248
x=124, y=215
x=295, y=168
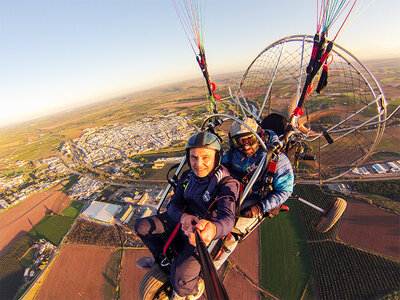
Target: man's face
x=247, y=145
x=202, y=161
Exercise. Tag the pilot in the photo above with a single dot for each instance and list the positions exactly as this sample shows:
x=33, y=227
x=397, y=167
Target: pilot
x=204, y=200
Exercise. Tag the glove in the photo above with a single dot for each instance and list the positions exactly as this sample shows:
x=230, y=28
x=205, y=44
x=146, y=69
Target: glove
x=252, y=211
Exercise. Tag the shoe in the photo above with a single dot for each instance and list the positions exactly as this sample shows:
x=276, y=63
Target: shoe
x=145, y=263
x=200, y=290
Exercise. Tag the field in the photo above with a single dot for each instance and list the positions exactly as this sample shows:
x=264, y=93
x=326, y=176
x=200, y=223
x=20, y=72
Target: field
x=283, y=248
x=15, y=222
x=12, y=269
x=93, y=233
x=343, y=271
x=19, y=256
x=29, y=257
x=243, y=269
x=241, y=272
x=42, y=137
x=51, y=228
x=73, y=209
x=131, y=275
x=77, y=273
x=286, y=264
x=359, y=228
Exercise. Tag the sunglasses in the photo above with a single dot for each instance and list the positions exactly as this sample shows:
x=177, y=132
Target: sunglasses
x=240, y=142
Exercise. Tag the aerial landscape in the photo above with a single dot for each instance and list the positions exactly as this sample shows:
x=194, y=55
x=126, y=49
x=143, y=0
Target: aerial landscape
x=51, y=173
x=73, y=181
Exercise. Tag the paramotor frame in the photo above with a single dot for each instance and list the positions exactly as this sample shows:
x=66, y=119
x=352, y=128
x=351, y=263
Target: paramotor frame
x=342, y=125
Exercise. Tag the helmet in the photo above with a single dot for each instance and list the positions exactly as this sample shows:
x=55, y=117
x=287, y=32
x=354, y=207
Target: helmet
x=205, y=139
x=275, y=122
x=238, y=128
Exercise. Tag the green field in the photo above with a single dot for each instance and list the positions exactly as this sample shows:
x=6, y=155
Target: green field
x=11, y=268
x=12, y=264
x=385, y=155
x=73, y=209
x=285, y=260
x=341, y=271
x=51, y=228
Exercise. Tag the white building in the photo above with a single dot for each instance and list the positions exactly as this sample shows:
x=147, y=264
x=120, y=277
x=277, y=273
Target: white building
x=3, y=204
x=380, y=168
x=101, y=211
x=394, y=166
x=361, y=171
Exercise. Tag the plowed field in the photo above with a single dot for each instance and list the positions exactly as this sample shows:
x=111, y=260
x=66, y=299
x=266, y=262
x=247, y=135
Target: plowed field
x=369, y=227
x=77, y=273
x=16, y=221
x=131, y=275
x=247, y=258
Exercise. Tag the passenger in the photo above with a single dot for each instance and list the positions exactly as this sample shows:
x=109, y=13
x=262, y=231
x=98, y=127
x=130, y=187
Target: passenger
x=242, y=160
x=204, y=200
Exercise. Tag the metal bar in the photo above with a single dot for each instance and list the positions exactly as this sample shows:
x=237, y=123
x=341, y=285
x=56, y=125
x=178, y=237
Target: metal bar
x=253, y=179
x=236, y=100
x=168, y=188
x=300, y=73
x=272, y=80
x=350, y=117
x=310, y=204
x=347, y=133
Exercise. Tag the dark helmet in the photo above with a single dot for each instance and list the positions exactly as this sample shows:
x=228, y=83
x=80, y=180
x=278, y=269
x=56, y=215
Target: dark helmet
x=205, y=139
x=275, y=122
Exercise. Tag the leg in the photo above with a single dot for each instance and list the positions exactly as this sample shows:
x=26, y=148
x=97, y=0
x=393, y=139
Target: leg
x=185, y=270
x=231, y=242
x=154, y=231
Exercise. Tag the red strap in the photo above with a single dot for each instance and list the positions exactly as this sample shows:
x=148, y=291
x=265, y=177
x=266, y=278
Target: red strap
x=298, y=111
x=272, y=166
x=172, y=236
x=314, y=52
x=216, y=96
x=284, y=208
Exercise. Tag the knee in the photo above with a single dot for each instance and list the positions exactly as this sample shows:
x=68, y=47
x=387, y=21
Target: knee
x=142, y=226
x=185, y=275
x=184, y=286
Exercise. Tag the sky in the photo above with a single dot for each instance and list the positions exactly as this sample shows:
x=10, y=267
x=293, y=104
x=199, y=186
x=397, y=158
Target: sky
x=61, y=54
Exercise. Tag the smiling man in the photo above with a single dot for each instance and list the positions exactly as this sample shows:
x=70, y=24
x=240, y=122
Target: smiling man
x=204, y=200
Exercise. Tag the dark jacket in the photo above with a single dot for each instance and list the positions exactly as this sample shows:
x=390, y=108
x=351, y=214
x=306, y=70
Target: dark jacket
x=198, y=196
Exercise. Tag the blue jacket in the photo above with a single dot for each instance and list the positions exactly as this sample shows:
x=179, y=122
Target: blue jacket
x=283, y=180
x=197, y=198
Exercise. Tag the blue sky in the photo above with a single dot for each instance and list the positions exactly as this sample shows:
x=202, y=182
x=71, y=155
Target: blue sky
x=60, y=54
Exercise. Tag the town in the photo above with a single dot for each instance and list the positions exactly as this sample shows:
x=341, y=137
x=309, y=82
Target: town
x=100, y=150
x=105, y=155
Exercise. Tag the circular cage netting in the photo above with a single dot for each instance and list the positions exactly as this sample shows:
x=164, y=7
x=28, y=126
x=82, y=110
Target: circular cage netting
x=344, y=122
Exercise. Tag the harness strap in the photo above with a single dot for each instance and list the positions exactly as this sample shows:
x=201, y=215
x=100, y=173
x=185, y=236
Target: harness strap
x=171, y=238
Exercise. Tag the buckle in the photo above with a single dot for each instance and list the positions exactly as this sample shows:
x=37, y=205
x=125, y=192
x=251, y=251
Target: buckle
x=164, y=261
